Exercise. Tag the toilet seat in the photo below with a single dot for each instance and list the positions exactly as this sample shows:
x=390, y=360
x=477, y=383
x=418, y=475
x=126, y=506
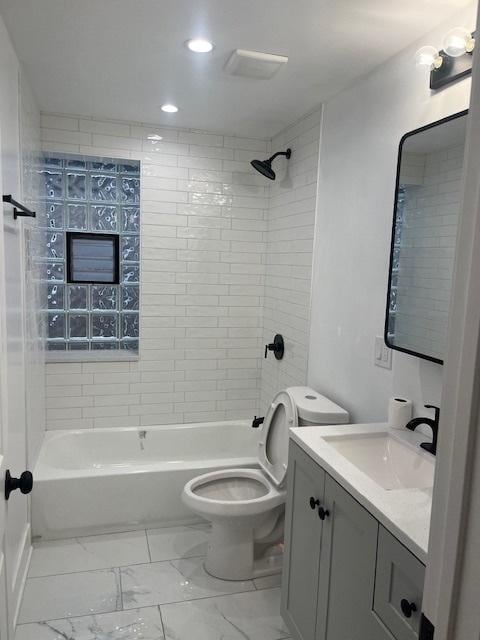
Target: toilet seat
x=273, y=446
x=232, y=492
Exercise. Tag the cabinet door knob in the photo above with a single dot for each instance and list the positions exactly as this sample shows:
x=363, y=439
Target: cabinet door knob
x=323, y=513
x=314, y=503
x=407, y=607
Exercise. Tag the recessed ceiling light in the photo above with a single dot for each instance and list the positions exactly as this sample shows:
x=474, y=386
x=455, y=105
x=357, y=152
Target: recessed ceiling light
x=169, y=108
x=199, y=45
x=155, y=136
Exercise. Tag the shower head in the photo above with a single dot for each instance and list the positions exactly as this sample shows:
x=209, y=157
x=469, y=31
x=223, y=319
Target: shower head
x=265, y=166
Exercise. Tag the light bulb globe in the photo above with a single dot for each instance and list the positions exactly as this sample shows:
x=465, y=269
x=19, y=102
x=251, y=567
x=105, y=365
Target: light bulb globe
x=455, y=43
x=426, y=56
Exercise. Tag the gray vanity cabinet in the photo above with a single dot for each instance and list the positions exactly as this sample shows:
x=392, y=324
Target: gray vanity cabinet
x=345, y=577
x=303, y=531
x=329, y=564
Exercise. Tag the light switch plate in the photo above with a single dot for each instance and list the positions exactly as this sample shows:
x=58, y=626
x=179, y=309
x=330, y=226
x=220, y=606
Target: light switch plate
x=383, y=355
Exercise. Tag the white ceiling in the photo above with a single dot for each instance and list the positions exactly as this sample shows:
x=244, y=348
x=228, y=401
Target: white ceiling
x=122, y=59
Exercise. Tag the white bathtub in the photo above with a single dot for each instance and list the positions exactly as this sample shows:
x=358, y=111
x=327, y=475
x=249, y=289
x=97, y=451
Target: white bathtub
x=102, y=480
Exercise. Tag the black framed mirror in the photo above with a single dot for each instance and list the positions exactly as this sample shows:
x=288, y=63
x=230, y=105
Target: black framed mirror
x=424, y=230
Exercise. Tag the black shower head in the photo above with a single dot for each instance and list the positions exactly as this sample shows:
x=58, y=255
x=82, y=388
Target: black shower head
x=265, y=166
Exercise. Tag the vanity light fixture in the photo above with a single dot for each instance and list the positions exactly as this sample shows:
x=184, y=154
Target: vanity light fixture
x=169, y=108
x=453, y=62
x=199, y=45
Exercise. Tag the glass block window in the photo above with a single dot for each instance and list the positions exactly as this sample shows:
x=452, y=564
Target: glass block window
x=91, y=256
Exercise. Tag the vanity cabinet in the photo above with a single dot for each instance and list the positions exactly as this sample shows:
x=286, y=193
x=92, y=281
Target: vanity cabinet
x=345, y=576
x=303, y=531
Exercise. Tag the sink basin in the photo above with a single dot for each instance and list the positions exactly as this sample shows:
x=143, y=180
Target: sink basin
x=391, y=463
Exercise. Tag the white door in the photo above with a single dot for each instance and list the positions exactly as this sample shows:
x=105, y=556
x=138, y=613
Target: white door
x=452, y=581
x=3, y=444
x=14, y=514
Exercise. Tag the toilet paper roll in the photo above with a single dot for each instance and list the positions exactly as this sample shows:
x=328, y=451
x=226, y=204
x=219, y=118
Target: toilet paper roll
x=399, y=412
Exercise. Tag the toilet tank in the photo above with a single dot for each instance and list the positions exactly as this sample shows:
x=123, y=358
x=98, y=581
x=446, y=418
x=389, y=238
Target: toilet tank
x=315, y=409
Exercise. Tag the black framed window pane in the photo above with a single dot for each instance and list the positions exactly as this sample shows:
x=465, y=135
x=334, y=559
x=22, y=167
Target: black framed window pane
x=92, y=258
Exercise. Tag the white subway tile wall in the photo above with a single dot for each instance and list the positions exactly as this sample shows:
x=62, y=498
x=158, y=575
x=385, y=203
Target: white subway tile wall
x=35, y=293
x=288, y=270
x=208, y=222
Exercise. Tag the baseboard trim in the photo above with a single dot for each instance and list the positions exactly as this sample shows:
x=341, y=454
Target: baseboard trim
x=21, y=572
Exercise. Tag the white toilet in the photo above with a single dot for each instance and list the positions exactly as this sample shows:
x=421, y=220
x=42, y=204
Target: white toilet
x=246, y=505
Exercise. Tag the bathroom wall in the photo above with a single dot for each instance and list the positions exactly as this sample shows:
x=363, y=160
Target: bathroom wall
x=361, y=131
x=289, y=250
x=203, y=241
x=35, y=294
x=215, y=238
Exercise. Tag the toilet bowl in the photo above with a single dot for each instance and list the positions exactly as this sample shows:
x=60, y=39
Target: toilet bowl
x=246, y=505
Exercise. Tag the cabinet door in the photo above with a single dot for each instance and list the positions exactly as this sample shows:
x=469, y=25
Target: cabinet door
x=303, y=530
x=398, y=587
x=347, y=575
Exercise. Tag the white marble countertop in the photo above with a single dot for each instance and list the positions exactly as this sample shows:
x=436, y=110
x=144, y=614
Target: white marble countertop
x=404, y=512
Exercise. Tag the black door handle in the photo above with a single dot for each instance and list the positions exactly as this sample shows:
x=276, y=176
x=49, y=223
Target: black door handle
x=314, y=503
x=407, y=607
x=24, y=483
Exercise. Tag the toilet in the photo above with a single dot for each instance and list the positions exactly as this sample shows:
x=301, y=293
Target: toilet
x=246, y=505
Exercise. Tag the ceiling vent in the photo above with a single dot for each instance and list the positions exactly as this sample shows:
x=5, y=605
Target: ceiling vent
x=254, y=64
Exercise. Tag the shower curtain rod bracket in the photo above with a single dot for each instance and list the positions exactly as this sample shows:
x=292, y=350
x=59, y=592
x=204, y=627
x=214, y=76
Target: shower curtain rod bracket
x=19, y=209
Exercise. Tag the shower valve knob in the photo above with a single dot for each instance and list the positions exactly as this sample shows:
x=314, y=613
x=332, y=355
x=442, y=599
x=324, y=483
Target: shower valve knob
x=24, y=483
x=277, y=346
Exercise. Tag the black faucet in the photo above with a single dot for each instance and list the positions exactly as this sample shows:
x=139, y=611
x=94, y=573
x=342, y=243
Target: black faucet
x=256, y=422
x=431, y=447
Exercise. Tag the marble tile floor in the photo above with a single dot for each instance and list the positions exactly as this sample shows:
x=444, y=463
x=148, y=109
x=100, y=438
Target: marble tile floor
x=142, y=585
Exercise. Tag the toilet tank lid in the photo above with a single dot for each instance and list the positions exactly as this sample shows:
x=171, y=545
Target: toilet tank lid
x=314, y=407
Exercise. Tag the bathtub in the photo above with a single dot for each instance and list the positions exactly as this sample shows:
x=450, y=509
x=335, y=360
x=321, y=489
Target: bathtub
x=93, y=481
